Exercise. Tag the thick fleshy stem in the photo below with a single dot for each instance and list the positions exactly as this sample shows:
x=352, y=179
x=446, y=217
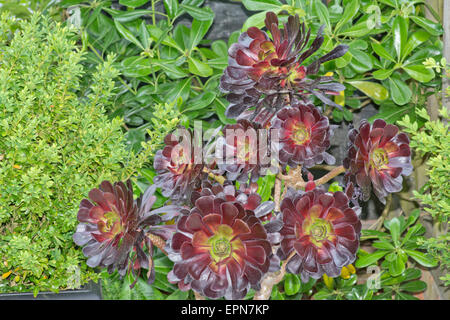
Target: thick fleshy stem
x=271, y=280
x=198, y=296
x=295, y=179
x=277, y=193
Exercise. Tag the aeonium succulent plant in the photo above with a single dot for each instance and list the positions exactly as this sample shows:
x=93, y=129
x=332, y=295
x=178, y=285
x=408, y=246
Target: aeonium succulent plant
x=304, y=136
x=245, y=151
x=178, y=172
x=113, y=225
x=320, y=232
x=220, y=249
x=264, y=71
x=378, y=156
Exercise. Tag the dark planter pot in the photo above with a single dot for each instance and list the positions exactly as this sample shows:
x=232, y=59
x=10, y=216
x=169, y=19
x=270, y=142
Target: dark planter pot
x=91, y=291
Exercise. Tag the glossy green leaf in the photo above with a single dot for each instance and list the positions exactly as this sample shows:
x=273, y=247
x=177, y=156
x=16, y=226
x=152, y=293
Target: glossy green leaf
x=383, y=245
x=419, y=72
x=258, y=5
x=198, y=31
x=370, y=258
x=361, y=61
x=181, y=35
x=144, y=36
x=322, y=295
x=276, y=294
x=144, y=291
x=218, y=63
x=400, y=92
x=291, y=284
x=220, y=48
x=199, y=68
x=171, y=7
x=382, y=74
x=435, y=29
x=420, y=55
x=173, y=71
x=405, y=296
x=413, y=286
x=322, y=12
x=161, y=36
x=374, y=234
x=125, y=291
x=178, y=295
x=133, y=3
x=400, y=35
x=396, y=266
x=360, y=292
x=392, y=3
x=391, y=112
x=394, y=227
x=257, y=20
x=178, y=89
x=127, y=34
x=413, y=216
x=350, y=11
x=136, y=66
x=381, y=51
x=203, y=14
x=360, y=29
x=125, y=16
x=265, y=186
x=343, y=61
x=414, y=41
x=372, y=89
x=201, y=101
x=407, y=275
x=422, y=258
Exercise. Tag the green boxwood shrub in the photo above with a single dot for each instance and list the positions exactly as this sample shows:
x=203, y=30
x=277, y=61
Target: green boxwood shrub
x=55, y=145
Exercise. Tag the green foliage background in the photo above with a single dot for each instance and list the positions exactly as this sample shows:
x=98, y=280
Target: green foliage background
x=62, y=90
x=55, y=146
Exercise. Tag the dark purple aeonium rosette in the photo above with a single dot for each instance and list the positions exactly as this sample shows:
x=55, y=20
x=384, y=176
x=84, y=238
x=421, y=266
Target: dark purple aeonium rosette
x=321, y=232
x=262, y=71
x=178, y=171
x=245, y=153
x=378, y=156
x=304, y=136
x=220, y=249
x=246, y=195
x=113, y=226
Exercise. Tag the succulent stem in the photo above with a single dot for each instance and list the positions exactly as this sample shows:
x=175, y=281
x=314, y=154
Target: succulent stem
x=272, y=279
x=295, y=179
